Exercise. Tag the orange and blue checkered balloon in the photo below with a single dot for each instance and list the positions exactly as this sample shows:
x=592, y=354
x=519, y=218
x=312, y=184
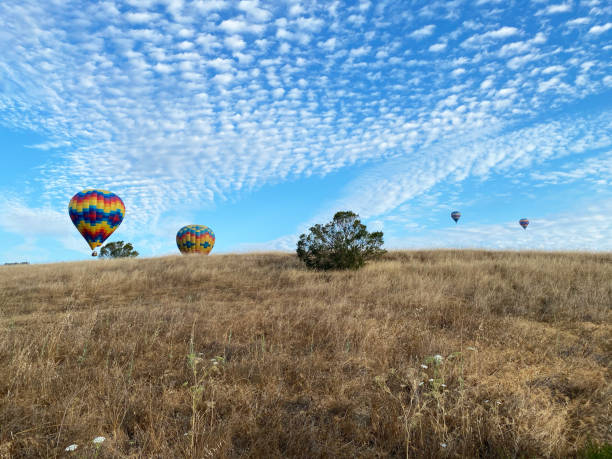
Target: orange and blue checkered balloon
x=195, y=239
x=524, y=223
x=96, y=214
x=456, y=215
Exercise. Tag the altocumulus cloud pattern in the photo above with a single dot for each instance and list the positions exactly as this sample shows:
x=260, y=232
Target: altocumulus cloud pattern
x=205, y=98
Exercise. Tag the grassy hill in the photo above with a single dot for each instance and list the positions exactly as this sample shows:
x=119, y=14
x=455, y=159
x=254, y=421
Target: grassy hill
x=308, y=364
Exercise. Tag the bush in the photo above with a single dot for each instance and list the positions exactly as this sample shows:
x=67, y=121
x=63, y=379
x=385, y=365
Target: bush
x=118, y=250
x=343, y=243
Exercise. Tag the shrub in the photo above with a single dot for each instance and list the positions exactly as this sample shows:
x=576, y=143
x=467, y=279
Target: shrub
x=343, y=243
x=118, y=250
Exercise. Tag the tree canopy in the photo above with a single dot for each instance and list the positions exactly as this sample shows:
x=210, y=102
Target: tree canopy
x=118, y=249
x=343, y=243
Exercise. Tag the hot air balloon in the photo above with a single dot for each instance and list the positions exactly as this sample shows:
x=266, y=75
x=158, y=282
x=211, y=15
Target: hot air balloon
x=96, y=214
x=195, y=239
x=456, y=215
x=524, y=222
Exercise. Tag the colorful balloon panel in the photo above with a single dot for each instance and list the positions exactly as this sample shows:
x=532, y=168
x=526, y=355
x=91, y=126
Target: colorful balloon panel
x=96, y=214
x=455, y=215
x=524, y=222
x=195, y=239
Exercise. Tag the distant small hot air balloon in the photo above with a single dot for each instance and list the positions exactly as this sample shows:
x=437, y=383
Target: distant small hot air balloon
x=96, y=214
x=195, y=239
x=456, y=215
x=524, y=222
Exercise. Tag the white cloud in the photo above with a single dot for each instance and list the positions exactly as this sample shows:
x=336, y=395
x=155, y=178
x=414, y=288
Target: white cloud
x=356, y=19
x=185, y=45
x=556, y=9
x=595, y=169
x=163, y=68
x=549, y=84
x=284, y=48
x=329, y=44
x=140, y=18
x=437, y=47
x=599, y=29
x=490, y=37
x=361, y=51
x=234, y=42
x=486, y=84
x=251, y=7
x=142, y=4
x=521, y=47
x=206, y=6
x=503, y=32
x=578, y=21
x=423, y=32
x=186, y=33
x=517, y=62
x=296, y=9
x=553, y=69
x=240, y=26
x=223, y=78
x=312, y=24
x=50, y=145
x=222, y=65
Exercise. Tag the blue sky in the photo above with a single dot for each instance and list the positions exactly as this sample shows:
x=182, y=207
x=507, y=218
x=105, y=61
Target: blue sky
x=260, y=118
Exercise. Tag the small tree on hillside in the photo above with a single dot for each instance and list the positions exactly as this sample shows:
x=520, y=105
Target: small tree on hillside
x=343, y=243
x=118, y=249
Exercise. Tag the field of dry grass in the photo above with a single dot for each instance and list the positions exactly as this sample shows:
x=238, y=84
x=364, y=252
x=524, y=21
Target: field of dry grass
x=254, y=356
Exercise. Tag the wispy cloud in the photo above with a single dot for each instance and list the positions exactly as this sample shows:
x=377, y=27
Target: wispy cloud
x=384, y=188
x=597, y=170
x=490, y=37
x=50, y=145
x=35, y=226
x=599, y=29
x=556, y=9
x=584, y=229
x=423, y=32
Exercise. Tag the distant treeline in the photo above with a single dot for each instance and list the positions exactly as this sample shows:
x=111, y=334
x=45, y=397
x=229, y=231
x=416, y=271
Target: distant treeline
x=18, y=263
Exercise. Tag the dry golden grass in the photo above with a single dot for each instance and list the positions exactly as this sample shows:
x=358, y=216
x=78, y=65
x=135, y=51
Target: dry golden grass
x=308, y=364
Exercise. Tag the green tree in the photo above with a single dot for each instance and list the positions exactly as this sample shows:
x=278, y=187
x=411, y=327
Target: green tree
x=118, y=249
x=343, y=243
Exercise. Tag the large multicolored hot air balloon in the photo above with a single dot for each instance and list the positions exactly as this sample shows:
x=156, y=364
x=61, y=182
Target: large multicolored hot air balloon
x=96, y=214
x=524, y=223
x=456, y=215
x=195, y=239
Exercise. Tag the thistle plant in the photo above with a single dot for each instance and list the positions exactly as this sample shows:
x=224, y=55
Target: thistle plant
x=420, y=389
x=97, y=444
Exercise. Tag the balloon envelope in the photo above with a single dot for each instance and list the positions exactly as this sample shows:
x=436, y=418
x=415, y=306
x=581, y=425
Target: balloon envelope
x=195, y=239
x=96, y=214
x=524, y=222
x=455, y=215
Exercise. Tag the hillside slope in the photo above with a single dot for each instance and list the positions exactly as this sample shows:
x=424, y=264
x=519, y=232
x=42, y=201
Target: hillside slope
x=308, y=364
